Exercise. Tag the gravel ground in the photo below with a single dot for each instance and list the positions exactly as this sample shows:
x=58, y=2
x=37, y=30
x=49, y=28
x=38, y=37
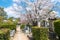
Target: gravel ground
x=19, y=35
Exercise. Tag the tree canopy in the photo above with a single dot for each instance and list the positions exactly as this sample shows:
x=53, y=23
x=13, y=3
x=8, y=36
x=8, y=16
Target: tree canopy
x=3, y=13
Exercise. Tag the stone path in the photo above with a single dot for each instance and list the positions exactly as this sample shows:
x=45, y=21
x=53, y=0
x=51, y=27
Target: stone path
x=20, y=35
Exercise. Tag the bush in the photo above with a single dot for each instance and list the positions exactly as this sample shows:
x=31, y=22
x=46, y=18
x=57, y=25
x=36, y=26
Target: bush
x=22, y=26
x=12, y=27
x=36, y=33
x=6, y=25
x=57, y=27
x=40, y=33
x=43, y=33
x=4, y=34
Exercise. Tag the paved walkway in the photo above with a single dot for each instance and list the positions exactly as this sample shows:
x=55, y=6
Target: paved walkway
x=20, y=35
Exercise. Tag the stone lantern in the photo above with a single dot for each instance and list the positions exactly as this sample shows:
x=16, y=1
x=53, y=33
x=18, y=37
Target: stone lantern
x=51, y=23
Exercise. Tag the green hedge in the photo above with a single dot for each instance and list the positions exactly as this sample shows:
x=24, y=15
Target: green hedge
x=57, y=27
x=36, y=33
x=4, y=34
x=40, y=33
x=6, y=25
x=22, y=26
x=43, y=33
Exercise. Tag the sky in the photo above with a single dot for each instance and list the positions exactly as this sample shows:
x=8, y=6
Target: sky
x=5, y=3
x=10, y=5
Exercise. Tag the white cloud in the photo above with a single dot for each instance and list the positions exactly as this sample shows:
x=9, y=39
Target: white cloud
x=16, y=0
x=55, y=1
x=58, y=0
x=17, y=7
x=13, y=10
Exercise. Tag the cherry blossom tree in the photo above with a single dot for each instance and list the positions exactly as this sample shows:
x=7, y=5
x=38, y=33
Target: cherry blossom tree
x=36, y=10
x=40, y=9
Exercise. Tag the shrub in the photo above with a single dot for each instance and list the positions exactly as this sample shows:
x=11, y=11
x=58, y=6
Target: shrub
x=57, y=27
x=4, y=34
x=40, y=33
x=36, y=33
x=12, y=27
x=43, y=33
x=22, y=26
x=6, y=25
